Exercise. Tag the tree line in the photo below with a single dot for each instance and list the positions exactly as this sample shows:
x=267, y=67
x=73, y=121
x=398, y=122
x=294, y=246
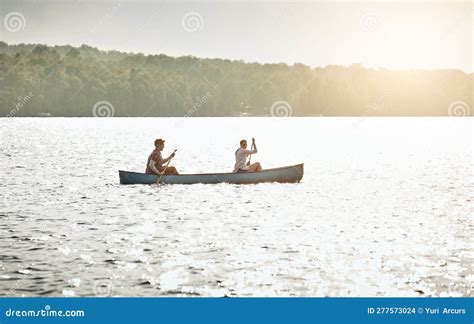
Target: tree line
x=40, y=80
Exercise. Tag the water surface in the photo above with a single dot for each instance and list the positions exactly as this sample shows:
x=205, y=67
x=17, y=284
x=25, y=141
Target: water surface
x=384, y=208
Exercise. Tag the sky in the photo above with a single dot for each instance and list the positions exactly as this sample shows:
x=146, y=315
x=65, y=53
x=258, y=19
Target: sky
x=384, y=34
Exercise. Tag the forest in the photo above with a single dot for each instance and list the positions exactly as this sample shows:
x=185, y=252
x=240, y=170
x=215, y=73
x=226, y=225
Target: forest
x=40, y=80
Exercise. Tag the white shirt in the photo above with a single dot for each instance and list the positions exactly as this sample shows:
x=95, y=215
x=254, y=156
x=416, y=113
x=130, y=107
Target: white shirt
x=241, y=158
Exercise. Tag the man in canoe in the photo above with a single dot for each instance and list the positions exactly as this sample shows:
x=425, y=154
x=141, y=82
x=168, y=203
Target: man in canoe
x=241, y=155
x=155, y=163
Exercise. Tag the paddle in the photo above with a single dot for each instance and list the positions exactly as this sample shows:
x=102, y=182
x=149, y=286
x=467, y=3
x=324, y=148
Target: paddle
x=251, y=147
x=166, y=167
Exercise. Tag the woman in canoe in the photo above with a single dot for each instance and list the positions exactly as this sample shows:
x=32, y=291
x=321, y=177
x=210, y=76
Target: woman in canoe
x=155, y=161
x=241, y=158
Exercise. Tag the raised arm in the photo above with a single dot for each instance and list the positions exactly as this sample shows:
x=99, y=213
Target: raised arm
x=254, y=147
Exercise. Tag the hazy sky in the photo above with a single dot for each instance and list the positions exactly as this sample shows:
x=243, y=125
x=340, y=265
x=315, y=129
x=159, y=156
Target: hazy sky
x=394, y=35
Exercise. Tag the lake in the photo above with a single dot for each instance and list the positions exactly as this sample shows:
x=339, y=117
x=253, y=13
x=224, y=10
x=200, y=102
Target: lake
x=384, y=208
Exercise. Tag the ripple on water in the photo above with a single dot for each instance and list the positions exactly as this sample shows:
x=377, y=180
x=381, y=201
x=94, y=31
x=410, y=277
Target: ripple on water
x=369, y=219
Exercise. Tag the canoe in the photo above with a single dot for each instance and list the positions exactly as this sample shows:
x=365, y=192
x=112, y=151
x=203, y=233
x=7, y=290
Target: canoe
x=288, y=174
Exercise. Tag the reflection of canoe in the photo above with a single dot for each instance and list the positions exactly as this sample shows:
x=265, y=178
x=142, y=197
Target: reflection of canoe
x=286, y=174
